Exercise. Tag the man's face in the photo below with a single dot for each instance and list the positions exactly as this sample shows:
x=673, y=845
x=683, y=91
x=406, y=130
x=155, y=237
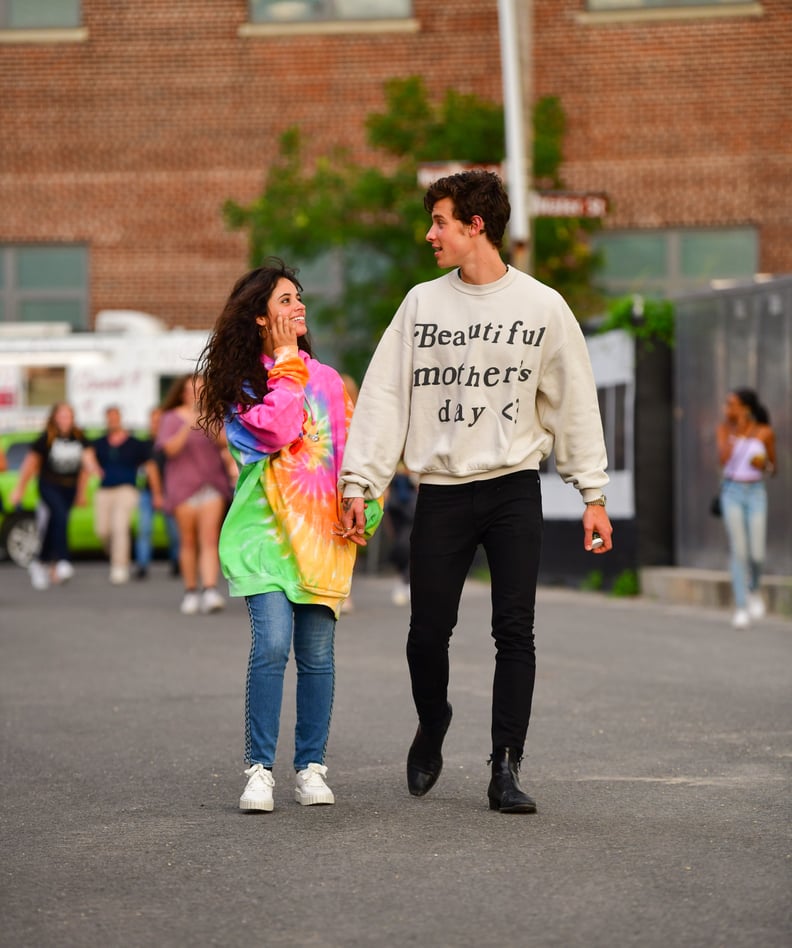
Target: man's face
x=113, y=417
x=449, y=237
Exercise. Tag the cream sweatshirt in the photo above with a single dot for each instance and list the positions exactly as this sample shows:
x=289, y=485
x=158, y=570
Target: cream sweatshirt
x=472, y=382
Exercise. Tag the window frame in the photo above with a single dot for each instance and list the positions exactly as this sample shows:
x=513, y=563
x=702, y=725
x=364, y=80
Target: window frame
x=327, y=25
x=327, y=12
x=704, y=10
x=674, y=281
x=5, y=25
x=12, y=295
x=622, y=6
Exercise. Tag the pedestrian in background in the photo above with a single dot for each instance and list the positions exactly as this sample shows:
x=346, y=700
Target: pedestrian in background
x=120, y=456
x=62, y=460
x=480, y=375
x=198, y=487
x=399, y=514
x=286, y=416
x=144, y=540
x=746, y=451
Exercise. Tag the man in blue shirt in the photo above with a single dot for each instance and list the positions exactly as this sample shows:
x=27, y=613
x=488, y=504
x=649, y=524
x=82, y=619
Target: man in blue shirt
x=120, y=456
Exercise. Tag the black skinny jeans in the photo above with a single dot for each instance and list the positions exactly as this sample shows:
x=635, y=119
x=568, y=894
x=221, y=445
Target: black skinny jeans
x=504, y=515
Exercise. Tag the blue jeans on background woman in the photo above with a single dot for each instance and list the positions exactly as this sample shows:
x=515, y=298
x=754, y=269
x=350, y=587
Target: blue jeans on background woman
x=58, y=502
x=144, y=545
x=744, y=505
x=276, y=623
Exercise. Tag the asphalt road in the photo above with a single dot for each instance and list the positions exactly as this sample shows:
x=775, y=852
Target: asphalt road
x=659, y=755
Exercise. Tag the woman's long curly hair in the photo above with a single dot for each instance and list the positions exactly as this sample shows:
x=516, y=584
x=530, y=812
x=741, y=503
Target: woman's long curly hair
x=231, y=363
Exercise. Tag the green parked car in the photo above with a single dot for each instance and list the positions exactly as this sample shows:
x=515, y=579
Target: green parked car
x=18, y=534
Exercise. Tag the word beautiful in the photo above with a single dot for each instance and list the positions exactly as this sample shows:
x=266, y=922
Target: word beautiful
x=430, y=336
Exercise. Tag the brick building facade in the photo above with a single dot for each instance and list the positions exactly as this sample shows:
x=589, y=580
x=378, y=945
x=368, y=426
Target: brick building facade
x=125, y=134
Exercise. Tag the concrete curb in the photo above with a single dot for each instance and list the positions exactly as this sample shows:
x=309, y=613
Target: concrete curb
x=711, y=588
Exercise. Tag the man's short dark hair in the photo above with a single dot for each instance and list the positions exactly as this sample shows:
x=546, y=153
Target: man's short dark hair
x=474, y=193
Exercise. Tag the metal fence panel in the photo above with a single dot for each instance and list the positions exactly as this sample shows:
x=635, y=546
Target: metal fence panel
x=727, y=339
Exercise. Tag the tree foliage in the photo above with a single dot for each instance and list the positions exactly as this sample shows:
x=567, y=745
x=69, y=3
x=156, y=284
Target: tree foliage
x=370, y=224
x=650, y=320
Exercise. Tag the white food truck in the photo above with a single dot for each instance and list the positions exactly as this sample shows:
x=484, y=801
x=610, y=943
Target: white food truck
x=129, y=361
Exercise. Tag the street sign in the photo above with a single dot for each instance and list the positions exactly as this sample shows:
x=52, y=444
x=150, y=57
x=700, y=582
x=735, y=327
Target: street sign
x=430, y=171
x=567, y=204
x=540, y=203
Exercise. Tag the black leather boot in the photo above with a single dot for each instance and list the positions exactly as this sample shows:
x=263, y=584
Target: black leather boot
x=505, y=793
x=424, y=759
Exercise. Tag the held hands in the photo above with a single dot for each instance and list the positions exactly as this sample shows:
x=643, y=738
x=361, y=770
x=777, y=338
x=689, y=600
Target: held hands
x=595, y=520
x=353, y=521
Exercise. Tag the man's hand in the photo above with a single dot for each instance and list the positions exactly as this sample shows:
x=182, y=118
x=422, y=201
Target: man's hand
x=595, y=520
x=353, y=520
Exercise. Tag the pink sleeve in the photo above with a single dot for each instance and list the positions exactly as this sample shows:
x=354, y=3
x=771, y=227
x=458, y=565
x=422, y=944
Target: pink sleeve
x=278, y=419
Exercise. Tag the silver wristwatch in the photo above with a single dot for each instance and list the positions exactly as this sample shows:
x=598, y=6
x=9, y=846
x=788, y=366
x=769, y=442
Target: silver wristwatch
x=597, y=502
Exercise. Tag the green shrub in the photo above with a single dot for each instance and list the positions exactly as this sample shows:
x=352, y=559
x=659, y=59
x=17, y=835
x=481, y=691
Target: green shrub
x=593, y=581
x=626, y=584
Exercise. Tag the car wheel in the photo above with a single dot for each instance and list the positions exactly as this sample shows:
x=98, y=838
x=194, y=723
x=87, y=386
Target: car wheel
x=19, y=537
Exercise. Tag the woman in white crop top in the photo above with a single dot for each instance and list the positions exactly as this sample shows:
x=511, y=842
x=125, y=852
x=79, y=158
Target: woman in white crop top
x=746, y=449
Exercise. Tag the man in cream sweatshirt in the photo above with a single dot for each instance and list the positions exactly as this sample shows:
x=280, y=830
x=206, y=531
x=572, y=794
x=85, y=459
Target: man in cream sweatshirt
x=480, y=375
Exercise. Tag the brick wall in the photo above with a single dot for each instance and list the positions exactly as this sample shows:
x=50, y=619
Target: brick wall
x=132, y=140
x=682, y=121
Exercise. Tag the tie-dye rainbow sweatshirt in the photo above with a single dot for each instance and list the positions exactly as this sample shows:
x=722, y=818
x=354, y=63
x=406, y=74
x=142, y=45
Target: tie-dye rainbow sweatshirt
x=277, y=534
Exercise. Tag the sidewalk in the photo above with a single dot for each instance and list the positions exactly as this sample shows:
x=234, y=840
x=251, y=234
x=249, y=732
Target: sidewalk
x=711, y=588
x=659, y=754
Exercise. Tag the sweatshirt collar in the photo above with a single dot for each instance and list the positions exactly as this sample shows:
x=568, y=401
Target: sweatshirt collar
x=481, y=289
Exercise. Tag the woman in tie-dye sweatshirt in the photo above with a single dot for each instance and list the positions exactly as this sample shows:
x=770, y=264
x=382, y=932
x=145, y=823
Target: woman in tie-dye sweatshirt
x=286, y=417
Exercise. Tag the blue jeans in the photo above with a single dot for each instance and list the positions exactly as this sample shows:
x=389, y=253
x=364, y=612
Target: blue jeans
x=54, y=521
x=275, y=623
x=504, y=516
x=143, y=541
x=745, y=518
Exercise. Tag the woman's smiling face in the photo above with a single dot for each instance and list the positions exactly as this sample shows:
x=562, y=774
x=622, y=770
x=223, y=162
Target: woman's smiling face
x=286, y=301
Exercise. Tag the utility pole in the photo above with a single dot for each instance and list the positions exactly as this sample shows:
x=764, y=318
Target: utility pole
x=515, y=19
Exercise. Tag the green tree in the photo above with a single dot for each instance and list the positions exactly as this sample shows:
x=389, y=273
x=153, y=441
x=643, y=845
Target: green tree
x=563, y=256
x=369, y=224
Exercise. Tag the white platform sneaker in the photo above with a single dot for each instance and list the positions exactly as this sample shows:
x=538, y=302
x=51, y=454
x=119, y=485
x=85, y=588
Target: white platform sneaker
x=311, y=788
x=756, y=606
x=258, y=792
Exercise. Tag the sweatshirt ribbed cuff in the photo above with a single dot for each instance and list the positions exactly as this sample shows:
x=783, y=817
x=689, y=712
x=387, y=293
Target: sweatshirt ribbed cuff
x=282, y=351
